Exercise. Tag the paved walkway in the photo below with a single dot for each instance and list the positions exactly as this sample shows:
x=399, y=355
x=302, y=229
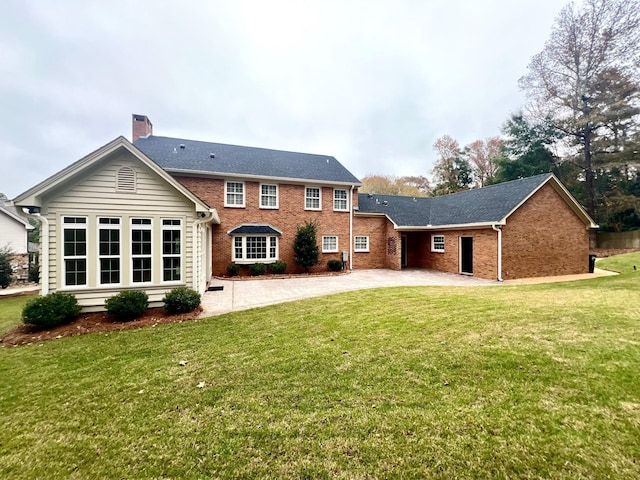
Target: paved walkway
x=244, y=294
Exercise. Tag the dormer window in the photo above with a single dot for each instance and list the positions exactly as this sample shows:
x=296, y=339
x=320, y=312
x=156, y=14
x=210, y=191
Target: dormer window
x=126, y=180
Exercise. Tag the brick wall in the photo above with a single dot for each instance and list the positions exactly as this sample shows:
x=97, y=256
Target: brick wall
x=286, y=218
x=544, y=237
x=485, y=252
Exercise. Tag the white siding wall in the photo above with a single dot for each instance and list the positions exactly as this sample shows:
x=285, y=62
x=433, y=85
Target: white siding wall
x=13, y=234
x=94, y=196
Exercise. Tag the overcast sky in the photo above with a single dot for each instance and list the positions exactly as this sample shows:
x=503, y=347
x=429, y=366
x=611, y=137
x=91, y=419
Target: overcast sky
x=373, y=82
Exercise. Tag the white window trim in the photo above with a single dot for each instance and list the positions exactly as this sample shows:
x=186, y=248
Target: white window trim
x=433, y=243
x=74, y=226
x=306, y=197
x=163, y=255
x=270, y=207
x=133, y=227
x=108, y=226
x=248, y=261
x=329, y=249
x=355, y=243
x=226, y=191
x=345, y=199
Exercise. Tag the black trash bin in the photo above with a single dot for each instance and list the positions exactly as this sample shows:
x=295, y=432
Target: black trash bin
x=592, y=263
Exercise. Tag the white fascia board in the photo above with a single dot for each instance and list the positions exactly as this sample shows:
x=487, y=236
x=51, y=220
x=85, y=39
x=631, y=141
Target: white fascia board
x=461, y=226
x=565, y=194
x=33, y=196
x=227, y=175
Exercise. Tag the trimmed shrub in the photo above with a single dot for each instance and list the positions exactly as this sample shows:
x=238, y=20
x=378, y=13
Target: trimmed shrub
x=181, y=300
x=233, y=270
x=256, y=269
x=305, y=245
x=278, y=267
x=334, y=265
x=127, y=305
x=51, y=310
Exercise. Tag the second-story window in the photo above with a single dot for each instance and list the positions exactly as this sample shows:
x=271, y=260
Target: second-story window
x=340, y=200
x=234, y=194
x=312, y=200
x=268, y=196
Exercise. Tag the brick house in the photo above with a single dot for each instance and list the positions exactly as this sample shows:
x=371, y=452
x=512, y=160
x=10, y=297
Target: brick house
x=164, y=212
x=529, y=227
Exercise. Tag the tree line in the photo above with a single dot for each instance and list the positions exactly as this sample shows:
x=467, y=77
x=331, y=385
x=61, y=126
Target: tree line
x=581, y=121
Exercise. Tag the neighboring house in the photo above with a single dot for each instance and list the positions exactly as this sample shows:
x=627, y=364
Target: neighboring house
x=14, y=229
x=164, y=212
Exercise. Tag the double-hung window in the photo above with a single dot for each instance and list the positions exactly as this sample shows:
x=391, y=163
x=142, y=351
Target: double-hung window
x=268, y=196
x=74, y=251
x=312, y=198
x=141, y=260
x=437, y=243
x=340, y=202
x=361, y=243
x=255, y=248
x=171, y=249
x=234, y=194
x=109, y=250
x=329, y=243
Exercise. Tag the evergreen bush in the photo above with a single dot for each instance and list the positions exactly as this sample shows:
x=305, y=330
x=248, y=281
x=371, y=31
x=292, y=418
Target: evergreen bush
x=305, y=245
x=334, y=265
x=256, y=269
x=233, y=270
x=6, y=272
x=181, y=300
x=127, y=305
x=51, y=310
x=278, y=267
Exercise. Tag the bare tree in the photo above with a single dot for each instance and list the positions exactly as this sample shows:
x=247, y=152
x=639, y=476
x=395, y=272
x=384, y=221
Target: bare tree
x=482, y=154
x=563, y=78
x=412, y=186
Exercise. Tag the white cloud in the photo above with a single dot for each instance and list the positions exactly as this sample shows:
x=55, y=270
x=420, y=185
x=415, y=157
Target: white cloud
x=373, y=83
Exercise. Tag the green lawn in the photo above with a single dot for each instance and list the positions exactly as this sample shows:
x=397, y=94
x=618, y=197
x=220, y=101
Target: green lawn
x=494, y=382
x=11, y=312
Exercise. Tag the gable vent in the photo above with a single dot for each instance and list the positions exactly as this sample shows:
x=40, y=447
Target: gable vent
x=126, y=180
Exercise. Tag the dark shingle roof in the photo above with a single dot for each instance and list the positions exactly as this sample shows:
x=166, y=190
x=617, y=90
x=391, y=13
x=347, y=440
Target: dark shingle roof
x=254, y=229
x=175, y=154
x=482, y=205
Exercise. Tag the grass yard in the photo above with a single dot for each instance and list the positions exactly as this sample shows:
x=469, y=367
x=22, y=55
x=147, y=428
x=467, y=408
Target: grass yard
x=11, y=312
x=533, y=381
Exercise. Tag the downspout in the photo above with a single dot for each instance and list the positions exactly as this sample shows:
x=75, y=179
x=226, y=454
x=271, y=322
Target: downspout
x=44, y=257
x=351, y=229
x=498, y=229
x=196, y=251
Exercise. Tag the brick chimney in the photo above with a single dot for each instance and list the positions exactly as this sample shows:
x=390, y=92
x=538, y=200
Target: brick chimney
x=141, y=126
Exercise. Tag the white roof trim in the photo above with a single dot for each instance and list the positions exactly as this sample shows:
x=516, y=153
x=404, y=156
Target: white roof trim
x=565, y=194
x=32, y=197
x=460, y=226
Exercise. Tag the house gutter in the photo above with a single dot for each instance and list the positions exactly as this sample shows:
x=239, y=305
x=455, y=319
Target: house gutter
x=44, y=257
x=498, y=229
x=208, y=217
x=351, y=228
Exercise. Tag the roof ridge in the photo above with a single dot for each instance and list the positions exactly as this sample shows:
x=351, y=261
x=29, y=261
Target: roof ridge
x=234, y=145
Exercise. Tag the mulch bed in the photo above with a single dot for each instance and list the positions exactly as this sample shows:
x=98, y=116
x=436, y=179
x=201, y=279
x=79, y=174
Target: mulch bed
x=99, y=322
